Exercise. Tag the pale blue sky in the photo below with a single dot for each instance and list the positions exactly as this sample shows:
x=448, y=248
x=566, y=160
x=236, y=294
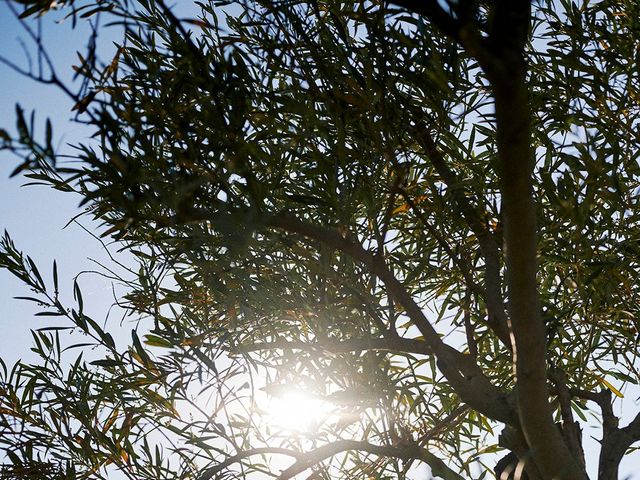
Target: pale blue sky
x=35, y=216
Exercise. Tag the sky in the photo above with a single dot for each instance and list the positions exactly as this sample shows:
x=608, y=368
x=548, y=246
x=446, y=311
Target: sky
x=35, y=217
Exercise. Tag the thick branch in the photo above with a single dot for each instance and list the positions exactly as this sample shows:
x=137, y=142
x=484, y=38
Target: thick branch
x=405, y=452
x=517, y=464
x=632, y=431
x=570, y=428
x=615, y=441
x=516, y=162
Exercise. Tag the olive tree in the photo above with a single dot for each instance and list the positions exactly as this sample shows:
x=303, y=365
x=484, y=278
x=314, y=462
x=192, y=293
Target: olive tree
x=422, y=215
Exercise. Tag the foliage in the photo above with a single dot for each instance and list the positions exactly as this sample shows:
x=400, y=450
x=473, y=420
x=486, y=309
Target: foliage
x=315, y=194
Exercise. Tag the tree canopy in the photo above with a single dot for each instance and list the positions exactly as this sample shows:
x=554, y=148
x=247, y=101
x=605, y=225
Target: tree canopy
x=418, y=219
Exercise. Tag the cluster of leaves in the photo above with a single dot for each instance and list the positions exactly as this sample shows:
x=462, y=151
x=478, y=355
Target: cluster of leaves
x=586, y=95
x=261, y=167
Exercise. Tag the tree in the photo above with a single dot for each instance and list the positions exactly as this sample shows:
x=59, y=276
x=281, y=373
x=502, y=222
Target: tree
x=422, y=214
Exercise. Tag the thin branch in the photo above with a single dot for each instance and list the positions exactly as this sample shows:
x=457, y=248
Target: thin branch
x=53, y=78
x=445, y=423
x=391, y=344
x=489, y=248
x=497, y=320
x=472, y=343
x=341, y=241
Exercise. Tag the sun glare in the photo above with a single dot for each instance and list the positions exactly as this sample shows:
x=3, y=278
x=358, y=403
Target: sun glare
x=297, y=411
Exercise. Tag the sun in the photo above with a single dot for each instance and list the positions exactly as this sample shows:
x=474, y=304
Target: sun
x=297, y=411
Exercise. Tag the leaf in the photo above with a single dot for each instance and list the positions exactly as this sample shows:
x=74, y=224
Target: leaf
x=156, y=341
x=578, y=410
x=140, y=351
x=199, y=23
x=107, y=362
x=84, y=102
x=438, y=467
x=21, y=124
x=603, y=381
x=98, y=9
x=404, y=207
x=111, y=420
x=55, y=277
x=12, y=413
x=49, y=137
x=49, y=314
x=35, y=8
x=77, y=295
x=36, y=273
